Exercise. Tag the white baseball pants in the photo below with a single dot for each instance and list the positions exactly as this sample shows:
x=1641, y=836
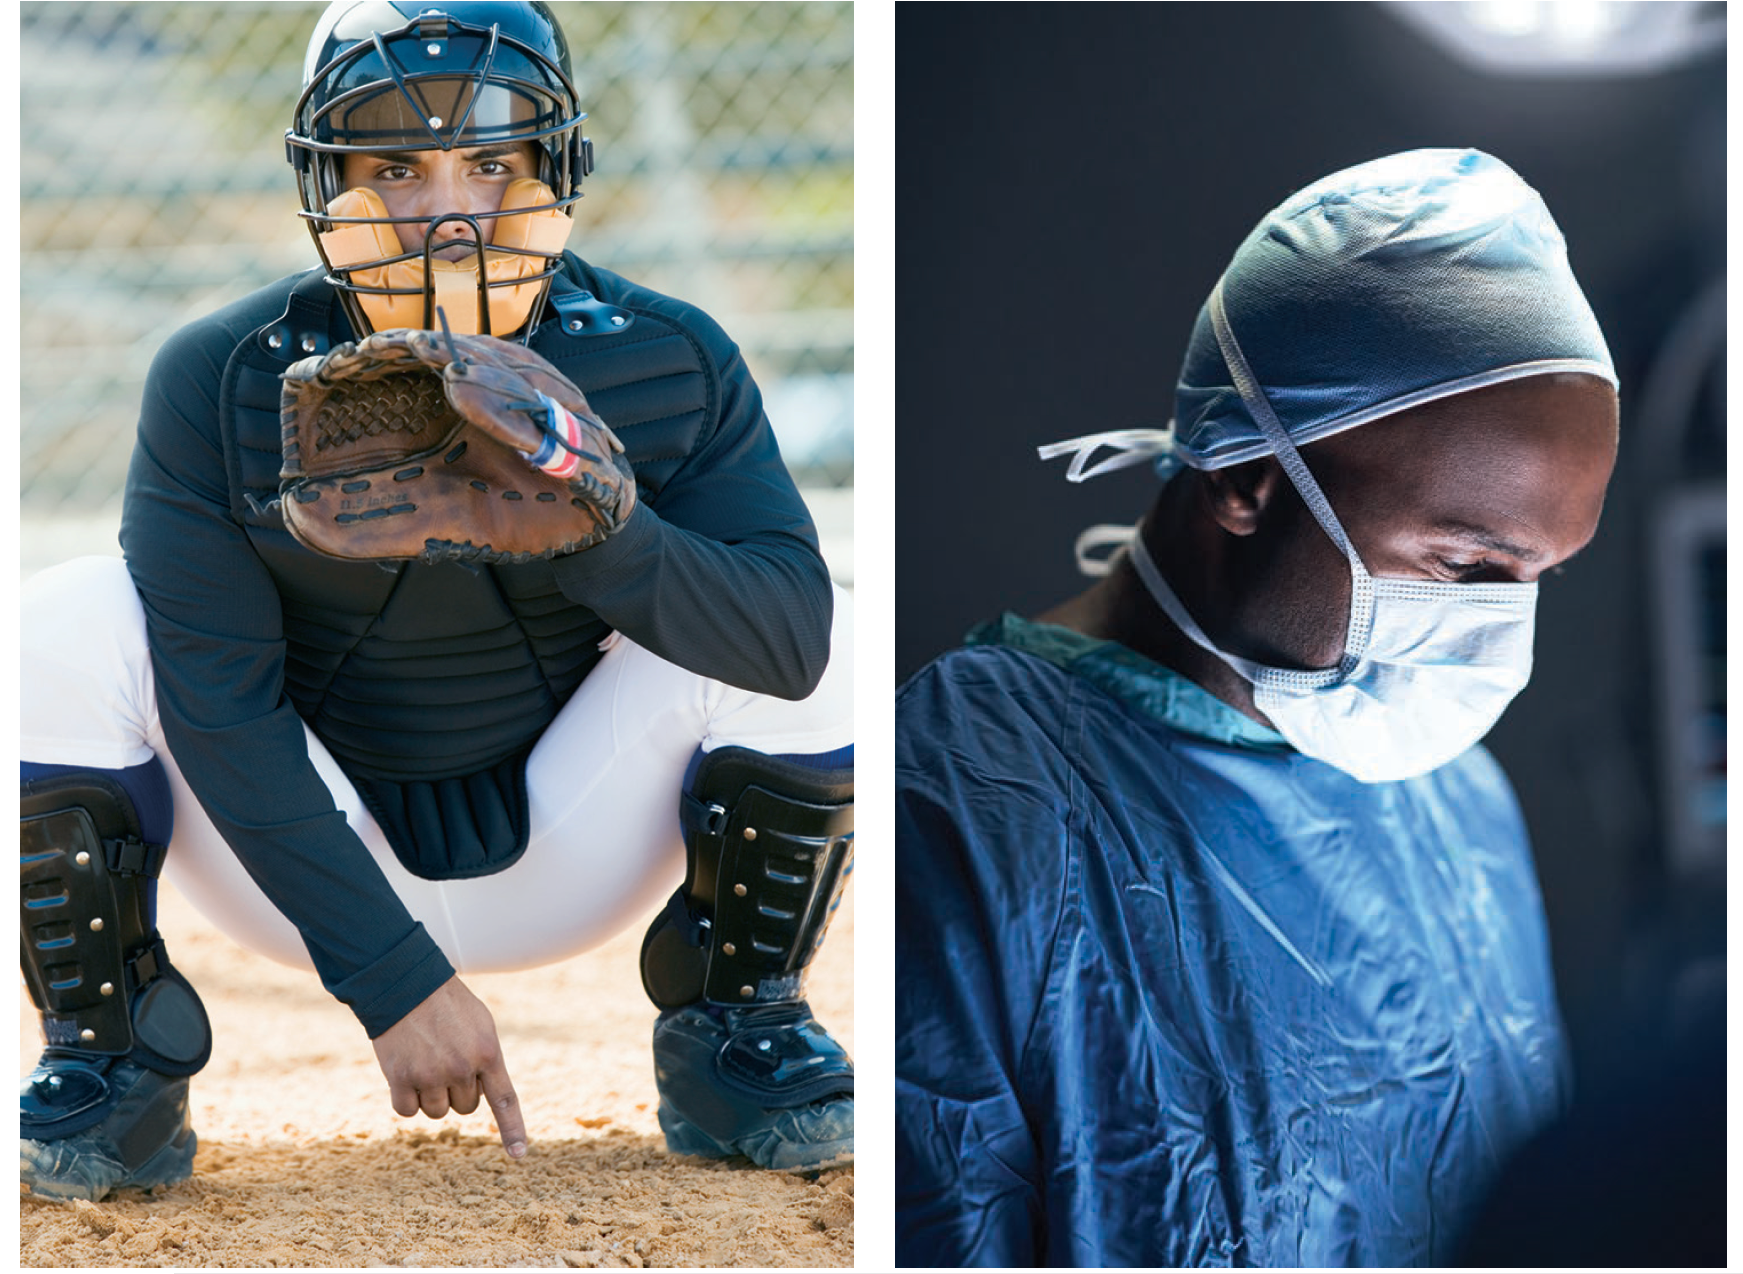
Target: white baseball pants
x=604, y=850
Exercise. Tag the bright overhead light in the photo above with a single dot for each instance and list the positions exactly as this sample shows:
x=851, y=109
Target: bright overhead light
x=1567, y=25
x=1570, y=37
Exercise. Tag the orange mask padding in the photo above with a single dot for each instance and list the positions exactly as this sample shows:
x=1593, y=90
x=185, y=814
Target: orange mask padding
x=456, y=282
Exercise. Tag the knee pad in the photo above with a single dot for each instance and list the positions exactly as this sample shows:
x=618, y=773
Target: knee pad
x=769, y=845
x=93, y=961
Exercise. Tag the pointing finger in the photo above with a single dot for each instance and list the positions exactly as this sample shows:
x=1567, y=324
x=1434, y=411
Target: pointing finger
x=505, y=1109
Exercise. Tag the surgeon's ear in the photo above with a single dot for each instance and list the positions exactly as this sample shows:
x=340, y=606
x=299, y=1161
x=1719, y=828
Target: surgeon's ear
x=1237, y=497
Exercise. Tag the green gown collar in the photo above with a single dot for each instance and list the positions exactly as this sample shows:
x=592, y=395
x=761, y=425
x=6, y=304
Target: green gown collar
x=1141, y=683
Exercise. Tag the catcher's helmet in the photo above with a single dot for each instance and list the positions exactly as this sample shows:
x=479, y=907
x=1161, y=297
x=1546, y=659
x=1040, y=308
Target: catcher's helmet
x=408, y=75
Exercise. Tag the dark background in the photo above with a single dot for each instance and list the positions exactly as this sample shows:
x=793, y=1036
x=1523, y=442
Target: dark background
x=1071, y=180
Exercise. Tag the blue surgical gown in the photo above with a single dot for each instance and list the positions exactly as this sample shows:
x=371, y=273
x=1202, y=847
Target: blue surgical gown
x=1171, y=994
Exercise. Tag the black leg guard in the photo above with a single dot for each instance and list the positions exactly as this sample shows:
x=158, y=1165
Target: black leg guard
x=742, y=1066
x=107, y=1103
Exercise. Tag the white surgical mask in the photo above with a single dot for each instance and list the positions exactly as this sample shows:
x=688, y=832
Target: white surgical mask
x=1438, y=665
x=1428, y=667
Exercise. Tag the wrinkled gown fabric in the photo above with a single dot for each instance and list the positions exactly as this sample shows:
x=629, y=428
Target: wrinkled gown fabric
x=1170, y=993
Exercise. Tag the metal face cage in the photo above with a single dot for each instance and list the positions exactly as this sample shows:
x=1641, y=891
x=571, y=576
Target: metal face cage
x=441, y=82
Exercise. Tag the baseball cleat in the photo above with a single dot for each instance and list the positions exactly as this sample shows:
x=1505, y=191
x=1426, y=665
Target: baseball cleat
x=767, y=1083
x=102, y=1126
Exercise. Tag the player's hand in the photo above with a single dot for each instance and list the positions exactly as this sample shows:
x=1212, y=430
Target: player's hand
x=443, y=1056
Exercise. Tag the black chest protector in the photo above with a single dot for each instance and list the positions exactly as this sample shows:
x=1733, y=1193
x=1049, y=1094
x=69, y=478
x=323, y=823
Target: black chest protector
x=430, y=684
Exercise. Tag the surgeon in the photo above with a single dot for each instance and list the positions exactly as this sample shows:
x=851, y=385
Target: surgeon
x=1219, y=941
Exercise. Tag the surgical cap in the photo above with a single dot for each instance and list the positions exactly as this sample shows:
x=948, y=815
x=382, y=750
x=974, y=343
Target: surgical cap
x=1380, y=288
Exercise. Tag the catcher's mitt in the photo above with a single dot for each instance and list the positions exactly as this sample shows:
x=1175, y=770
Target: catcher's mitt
x=413, y=444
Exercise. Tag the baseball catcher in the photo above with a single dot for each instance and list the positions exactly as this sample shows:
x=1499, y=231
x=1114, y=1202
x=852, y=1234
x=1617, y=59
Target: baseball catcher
x=468, y=617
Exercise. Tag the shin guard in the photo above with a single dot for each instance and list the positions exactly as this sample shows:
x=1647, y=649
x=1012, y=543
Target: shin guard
x=743, y=1067
x=107, y=1103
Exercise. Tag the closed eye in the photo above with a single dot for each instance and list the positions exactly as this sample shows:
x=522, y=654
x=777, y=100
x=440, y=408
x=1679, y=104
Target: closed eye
x=1465, y=570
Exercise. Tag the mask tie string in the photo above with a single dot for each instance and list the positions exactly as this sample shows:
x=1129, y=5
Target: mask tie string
x=1092, y=539
x=1130, y=447
x=1361, y=619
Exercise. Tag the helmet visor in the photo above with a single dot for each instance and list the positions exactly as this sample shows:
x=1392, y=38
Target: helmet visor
x=437, y=111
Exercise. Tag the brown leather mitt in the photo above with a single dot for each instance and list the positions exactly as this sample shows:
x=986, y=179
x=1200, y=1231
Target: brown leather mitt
x=412, y=444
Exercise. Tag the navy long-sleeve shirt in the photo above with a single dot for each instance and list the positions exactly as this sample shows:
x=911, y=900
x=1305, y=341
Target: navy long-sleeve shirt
x=431, y=683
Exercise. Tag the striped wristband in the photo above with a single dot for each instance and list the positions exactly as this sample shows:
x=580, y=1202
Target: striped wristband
x=551, y=456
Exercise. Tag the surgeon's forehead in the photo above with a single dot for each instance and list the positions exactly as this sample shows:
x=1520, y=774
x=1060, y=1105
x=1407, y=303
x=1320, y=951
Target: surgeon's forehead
x=1518, y=468
x=1496, y=427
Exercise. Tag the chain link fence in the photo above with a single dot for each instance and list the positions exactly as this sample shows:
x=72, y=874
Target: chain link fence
x=155, y=189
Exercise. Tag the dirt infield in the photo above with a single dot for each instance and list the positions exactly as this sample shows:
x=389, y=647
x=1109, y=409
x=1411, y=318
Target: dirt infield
x=302, y=1162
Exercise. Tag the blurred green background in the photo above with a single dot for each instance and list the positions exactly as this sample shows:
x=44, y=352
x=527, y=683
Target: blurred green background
x=154, y=189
